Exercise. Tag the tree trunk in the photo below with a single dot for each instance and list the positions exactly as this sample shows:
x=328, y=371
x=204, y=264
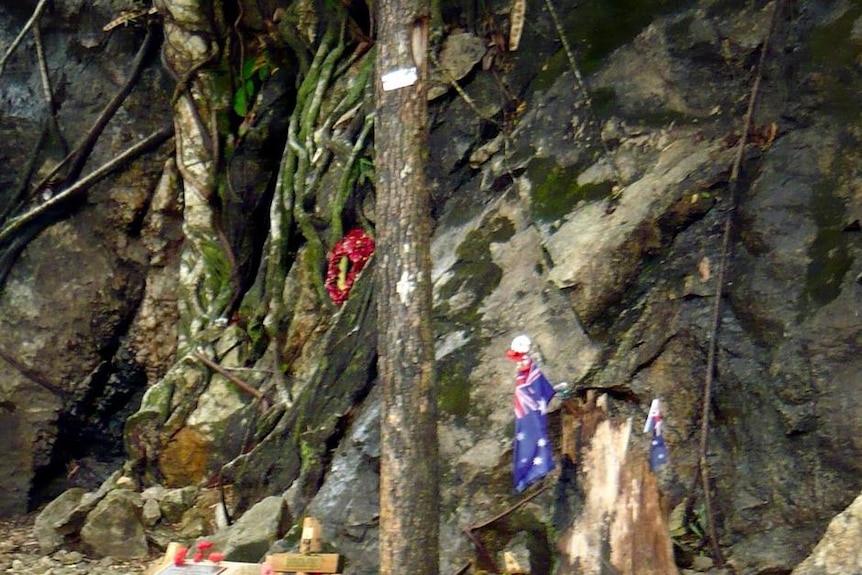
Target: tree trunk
x=408, y=482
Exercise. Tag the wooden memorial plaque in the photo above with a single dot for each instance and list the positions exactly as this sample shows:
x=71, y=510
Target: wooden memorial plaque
x=302, y=562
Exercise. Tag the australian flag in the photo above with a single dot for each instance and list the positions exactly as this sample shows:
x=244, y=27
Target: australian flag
x=657, y=447
x=533, y=457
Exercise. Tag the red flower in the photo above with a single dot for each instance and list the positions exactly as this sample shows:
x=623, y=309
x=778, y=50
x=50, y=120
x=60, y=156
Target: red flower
x=346, y=260
x=199, y=556
x=204, y=545
x=180, y=556
x=216, y=557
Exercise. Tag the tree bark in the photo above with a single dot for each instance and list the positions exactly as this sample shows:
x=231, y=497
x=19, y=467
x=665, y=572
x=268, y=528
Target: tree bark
x=409, y=529
x=621, y=525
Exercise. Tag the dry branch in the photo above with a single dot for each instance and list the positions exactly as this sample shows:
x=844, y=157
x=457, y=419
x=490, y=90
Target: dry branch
x=243, y=385
x=78, y=157
x=30, y=23
x=17, y=223
x=582, y=85
x=719, y=289
x=510, y=510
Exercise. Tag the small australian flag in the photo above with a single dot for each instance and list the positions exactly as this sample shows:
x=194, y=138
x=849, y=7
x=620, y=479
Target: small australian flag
x=657, y=449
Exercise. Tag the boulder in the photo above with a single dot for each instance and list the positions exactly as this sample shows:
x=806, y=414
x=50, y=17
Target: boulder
x=254, y=532
x=115, y=527
x=838, y=552
x=53, y=523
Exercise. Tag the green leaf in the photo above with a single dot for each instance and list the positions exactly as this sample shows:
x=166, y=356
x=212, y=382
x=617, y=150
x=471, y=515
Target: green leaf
x=240, y=102
x=263, y=72
x=249, y=66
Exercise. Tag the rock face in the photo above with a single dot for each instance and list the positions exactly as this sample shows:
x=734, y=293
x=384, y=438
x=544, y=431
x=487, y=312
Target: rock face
x=69, y=298
x=55, y=520
x=594, y=226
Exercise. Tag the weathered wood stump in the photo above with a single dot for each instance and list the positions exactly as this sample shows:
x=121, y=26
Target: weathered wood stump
x=621, y=528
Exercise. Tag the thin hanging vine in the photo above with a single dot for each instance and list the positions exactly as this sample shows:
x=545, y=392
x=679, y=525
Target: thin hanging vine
x=719, y=290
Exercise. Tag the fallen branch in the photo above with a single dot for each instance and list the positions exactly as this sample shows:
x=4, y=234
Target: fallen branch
x=78, y=157
x=30, y=23
x=17, y=223
x=582, y=85
x=511, y=509
x=485, y=560
x=464, y=95
x=47, y=92
x=43, y=70
x=244, y=386
x=719, y=289
x=26, y=174
x=34, y=375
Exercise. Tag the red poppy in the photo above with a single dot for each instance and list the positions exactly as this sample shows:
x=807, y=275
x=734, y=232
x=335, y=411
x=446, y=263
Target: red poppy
x=180, y=556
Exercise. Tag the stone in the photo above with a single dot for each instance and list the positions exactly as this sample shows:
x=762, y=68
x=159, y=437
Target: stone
x=254, y=532
x=53, y=523
x=176, y=502
x=151, y=513
x=702, y=563
x=347, y=503
x=114, y=528
x=126, y=482
x=70, y=558
x=516, y=555
x=155, y=492
x=838, y=552
x=460, y=54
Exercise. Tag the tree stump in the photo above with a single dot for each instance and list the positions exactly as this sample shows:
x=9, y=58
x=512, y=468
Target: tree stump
x=621, y=527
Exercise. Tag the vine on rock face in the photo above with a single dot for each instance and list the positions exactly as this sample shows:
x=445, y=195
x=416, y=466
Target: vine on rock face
x=347, y=258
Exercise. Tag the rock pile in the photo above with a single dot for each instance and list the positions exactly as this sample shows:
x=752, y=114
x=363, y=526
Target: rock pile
x=20, y=554
x=117, y=522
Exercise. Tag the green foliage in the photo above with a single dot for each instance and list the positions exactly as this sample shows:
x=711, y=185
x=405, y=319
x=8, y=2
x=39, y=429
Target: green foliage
x=365, y=171
x=253, y=72
x=688, y=530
